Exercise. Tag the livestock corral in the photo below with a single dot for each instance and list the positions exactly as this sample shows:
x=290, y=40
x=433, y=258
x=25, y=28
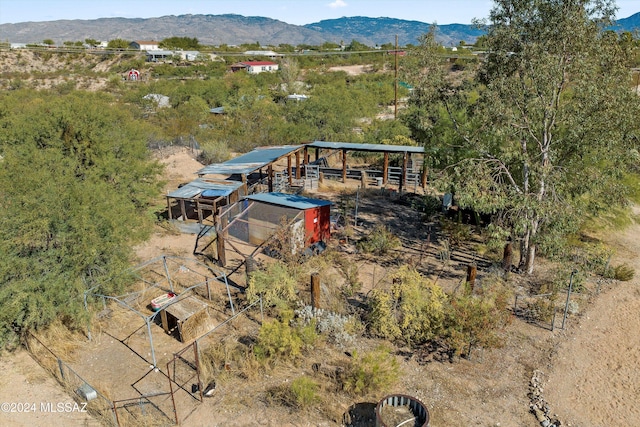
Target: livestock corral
x=153, y=366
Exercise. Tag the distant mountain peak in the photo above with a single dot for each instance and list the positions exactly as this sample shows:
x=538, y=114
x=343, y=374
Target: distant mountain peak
x=234, y=29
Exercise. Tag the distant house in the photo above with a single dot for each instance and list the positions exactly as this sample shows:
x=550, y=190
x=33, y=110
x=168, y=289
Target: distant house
x=267, y=53
x=255, y=67
x=144, y=45
x=158, y=55
x=188, y=55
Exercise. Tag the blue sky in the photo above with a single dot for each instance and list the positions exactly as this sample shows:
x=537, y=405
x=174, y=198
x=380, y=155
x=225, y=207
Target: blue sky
x=298, y=12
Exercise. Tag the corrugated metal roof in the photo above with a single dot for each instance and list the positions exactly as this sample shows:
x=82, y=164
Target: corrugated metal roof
x=366, y=147
x=194, y=188
x=289, y=200
x=249, y=162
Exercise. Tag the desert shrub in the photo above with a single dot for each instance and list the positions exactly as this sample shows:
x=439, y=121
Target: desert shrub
x=276, y=285
x=622, y=272
x=226, y=359
x=381, y=315
x=278, y=339
x=541, y=309
x=301, y=393
x=377, y=371
x=429, y=205
x=455, y=231
x=413, y=309
x=474, y=320
x=351, y=275
x=214, y=152
x=304, y=392
x=379, y=242
x=339, y=329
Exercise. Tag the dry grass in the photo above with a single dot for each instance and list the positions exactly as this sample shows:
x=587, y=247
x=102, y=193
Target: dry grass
x=139, y=419
x=196, y=325
x=228, y=360
x=63, y=342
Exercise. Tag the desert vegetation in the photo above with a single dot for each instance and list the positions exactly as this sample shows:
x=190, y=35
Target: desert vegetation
x=541, y=136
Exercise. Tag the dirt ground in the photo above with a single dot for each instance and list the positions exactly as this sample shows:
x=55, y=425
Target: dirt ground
x=590, y=370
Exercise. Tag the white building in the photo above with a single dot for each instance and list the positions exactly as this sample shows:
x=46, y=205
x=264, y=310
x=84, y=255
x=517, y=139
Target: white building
x=145, y=45
x=255, y=67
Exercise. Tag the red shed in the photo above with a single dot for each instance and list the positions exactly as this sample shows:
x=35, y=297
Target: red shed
x=315, y=215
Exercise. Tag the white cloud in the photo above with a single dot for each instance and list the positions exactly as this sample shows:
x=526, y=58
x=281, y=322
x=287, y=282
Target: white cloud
x=338, y=3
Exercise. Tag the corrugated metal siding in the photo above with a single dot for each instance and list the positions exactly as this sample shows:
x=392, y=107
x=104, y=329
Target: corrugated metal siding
x=194, y=188
x=289, y=200
x=366, y=147
x=249, y=162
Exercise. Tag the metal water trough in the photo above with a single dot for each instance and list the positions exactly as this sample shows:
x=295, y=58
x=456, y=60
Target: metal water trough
x=419, y=413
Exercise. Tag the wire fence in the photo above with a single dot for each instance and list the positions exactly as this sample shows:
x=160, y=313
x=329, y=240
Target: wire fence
x=97, y=404
x=536, y=309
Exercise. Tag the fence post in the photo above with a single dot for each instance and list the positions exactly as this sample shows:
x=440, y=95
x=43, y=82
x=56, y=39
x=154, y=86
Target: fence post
x=507, y=257
x=566, y=305
x=315, y=290
x=471, y=275
x=61, y=369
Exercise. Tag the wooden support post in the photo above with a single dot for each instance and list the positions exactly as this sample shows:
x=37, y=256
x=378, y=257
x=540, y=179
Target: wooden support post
x=403, y=175
x=270, y=177
x=423, y=177
x=344, y=165
x=305, y=159
x=199, y=209
x=317, y=154
x=169, y=208
x=289, y=170
x=385, y=168
x=222, y=255
x=183, y=210
x=297, y=164
x=315, y=290
x=471, y=275
x=507, y=257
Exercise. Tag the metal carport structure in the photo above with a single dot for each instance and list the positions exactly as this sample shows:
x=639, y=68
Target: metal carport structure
x=344, y=147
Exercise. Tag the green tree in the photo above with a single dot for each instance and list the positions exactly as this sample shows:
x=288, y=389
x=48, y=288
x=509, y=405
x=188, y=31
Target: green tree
x=76, y=182
x=184, y=43
x=546, y=136
x=289, y=75
x=118, y=44
x=48, y=42
x=356, y=46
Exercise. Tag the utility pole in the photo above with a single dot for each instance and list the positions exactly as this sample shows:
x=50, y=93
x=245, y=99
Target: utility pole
x=395, y=103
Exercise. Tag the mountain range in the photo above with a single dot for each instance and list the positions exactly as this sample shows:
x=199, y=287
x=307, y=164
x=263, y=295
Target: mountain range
x=214, y=30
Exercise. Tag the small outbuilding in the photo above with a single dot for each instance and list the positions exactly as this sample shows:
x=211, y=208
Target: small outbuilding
x=311, y=216
x=252, y=223
x=133, y=75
